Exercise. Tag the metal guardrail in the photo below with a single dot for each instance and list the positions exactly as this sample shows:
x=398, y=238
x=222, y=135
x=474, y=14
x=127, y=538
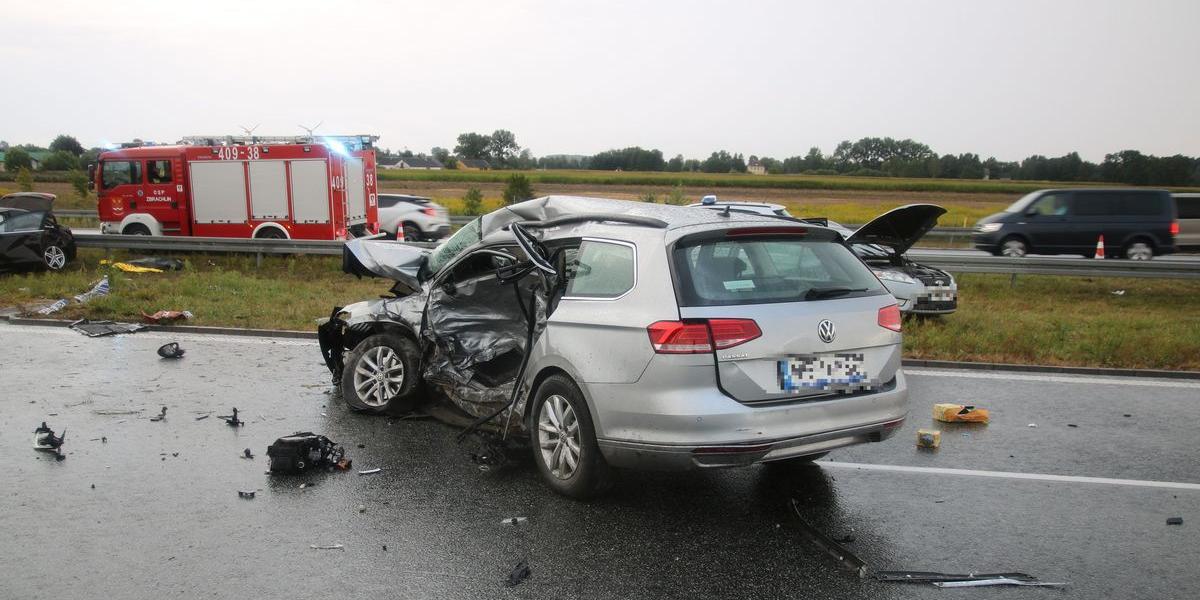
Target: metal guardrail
x=955, y=262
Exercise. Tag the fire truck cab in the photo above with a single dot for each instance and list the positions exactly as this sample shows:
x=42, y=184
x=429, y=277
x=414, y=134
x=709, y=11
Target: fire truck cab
x=284, y=188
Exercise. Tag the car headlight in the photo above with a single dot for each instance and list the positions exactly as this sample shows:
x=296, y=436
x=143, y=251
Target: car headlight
x=989, y=227
x=896, y=276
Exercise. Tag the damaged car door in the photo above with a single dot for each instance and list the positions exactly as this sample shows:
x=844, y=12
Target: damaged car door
x=476, y=327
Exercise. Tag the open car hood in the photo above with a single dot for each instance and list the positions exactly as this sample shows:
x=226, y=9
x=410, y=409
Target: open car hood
x=30, y=201
x=899, y=228
x=397, y=261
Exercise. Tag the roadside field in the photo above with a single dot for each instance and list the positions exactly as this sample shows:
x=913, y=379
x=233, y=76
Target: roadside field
x=1039, y=320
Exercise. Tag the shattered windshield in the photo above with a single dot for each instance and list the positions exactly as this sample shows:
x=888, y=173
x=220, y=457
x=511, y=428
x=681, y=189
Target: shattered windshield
x=461, y=240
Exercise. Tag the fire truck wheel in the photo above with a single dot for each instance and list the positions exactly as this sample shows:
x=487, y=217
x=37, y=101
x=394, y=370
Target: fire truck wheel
x=381, y=375
x=136, y=229
x=412, y=233
x=270, y=233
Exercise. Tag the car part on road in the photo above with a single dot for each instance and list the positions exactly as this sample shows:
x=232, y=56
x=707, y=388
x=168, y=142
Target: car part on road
x=1174, y=520
x=303, y=450
x=45, y=440
x=845, y=558
x=100, y=288
x=520, y=573
x=247, y=453
x=171, y=350
x=327, y=547
x=249, y=495
x=162, y=416
x=934, y=576
x=370, y=471
x=168, y=316
x=162, y=264
x=929, y=438
x=102, y=328
x=959, y=413
x=232, y=420
x=513, y=520
x=996, y=581
x=54, y=307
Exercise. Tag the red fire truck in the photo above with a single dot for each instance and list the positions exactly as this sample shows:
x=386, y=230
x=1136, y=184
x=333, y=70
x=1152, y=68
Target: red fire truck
x=320, y=188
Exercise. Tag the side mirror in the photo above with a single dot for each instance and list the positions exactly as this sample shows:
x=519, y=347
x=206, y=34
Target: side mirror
x=91, y=172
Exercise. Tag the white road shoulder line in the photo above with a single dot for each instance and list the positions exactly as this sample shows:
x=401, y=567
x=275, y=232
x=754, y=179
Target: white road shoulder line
x=1071, y=379
x=1173, y=485
x=168, y=335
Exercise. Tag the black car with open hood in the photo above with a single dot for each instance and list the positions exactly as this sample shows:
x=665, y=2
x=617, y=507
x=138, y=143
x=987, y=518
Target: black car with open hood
x=30, y=235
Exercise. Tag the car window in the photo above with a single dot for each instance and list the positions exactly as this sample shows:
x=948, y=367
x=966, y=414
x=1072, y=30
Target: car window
x=387, y=201
x=22, y=221
x=1140, y=205
x=1051, y=205
x=469, y=235
x=1189, y=208
x=1095, y=204
x=765, y=270
x=158, y=171
x=483, y=263
x=600, y=269
x=120, y=172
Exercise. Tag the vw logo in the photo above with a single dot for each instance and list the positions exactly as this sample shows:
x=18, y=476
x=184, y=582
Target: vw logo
x=826, y=331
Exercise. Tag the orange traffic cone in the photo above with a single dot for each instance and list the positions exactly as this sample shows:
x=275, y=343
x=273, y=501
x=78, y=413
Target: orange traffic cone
x=1100, y=247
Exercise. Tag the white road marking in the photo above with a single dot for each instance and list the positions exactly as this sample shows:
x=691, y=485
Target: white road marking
x=170, y=336
x=1173, y=485
x=1048, y=378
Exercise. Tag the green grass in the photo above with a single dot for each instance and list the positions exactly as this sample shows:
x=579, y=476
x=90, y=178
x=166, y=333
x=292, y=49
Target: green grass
x=736, y=180
x=1041, y=320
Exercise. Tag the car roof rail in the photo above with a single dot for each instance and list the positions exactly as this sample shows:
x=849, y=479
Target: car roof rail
x=587, y=217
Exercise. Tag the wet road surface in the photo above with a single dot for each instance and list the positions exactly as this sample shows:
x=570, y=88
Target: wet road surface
x=158, y=523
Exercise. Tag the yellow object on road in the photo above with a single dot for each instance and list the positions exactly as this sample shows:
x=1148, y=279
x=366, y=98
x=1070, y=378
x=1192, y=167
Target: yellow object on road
x=959, y=413
x=128, y=268
x=929, y=438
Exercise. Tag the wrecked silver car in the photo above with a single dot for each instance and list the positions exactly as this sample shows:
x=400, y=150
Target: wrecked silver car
x=621, y=334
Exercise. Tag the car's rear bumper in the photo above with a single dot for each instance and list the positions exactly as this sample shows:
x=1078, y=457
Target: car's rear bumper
x=706, y=429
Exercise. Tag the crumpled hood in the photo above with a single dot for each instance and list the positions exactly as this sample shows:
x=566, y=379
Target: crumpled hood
x=899, y=228
x=400, y=262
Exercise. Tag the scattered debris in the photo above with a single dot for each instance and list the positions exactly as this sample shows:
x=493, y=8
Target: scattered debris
x=361, y=446
x=1118, y=292
x=1174, y=520
x=167, y=316
x=328, y=547
x=959, y=413
x=232, y=420
x=101, y=288
x=369, y=471
x=831, y=547
x=45, y=440
x=307, y=484
x=154, y=262
x=933, y=576
x=996, y=581
x=1127, y=415
x=171, y=350
x=202, y=417
x=343, y=464
x=1032, y=425
x=56, y=306
x=513, y=520
x=249, y=495
x=385, y=547
x=302, y=451
x=929, y=438
x=101, y=328
x=247, y=453
x=160, y=416
x=362, y=508
x=106, y=412
x=1072, y=425
x=520, y=573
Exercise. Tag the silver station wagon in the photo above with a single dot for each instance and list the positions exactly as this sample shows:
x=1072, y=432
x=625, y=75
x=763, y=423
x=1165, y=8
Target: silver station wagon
x=605, y=333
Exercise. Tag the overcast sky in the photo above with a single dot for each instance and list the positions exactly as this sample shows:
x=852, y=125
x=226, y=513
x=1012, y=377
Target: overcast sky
x=1007, y=79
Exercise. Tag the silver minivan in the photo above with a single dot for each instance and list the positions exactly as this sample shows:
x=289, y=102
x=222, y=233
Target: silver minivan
x=605, y=333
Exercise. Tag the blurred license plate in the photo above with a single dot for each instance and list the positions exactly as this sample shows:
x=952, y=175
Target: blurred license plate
x=822, y=372
x=941, y=294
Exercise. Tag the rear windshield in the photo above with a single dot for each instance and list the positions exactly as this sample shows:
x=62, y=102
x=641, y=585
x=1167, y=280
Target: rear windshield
x=766, y=270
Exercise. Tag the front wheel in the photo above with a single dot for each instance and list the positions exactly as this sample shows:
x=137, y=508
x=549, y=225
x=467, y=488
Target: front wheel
x=381, y=375
x=1139, y=251
x=136, y=229
x=411, y=233
x=564, y=441
x=54, y=257
x=1014, y=247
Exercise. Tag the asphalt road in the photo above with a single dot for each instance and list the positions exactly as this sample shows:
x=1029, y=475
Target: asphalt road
x=1085, y=505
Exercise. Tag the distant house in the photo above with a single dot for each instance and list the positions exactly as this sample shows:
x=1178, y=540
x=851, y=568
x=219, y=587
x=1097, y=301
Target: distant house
x=35, y=159
x=473, y=164
x=2, y=154
x=387, y=163
x=417, y=162
x=755, y=167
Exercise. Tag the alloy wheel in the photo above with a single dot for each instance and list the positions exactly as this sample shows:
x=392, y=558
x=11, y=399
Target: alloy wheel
x=55, y=258
x=559, y=437
x=378, y=376
x=1139, y=251
x=1013, y=248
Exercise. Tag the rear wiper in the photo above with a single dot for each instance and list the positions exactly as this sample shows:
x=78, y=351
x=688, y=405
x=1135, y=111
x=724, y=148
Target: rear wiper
x=830, y=292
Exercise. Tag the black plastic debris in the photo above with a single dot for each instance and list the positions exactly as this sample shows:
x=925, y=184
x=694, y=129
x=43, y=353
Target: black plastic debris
x=304, y=450
x=160, y=416
x=102, y=328
x=155, y=262
x=1174, y=520
x=232, y=420
x=520, y=573
x=845, y=558
x=934, y=576
x=490, y=450
x=171, y=350
x=44, y=438
x=247, y=453
x=248, y=495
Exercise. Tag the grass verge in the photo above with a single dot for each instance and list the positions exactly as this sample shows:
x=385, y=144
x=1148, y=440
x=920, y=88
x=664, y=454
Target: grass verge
x=1074, y=321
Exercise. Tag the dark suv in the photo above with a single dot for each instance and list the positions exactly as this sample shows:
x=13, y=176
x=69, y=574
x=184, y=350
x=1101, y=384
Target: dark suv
x=1136, y=224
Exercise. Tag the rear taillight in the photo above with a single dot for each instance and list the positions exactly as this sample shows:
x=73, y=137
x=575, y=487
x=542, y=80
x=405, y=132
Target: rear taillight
x=700, y=337
x=889, y=317
x=429, y=211
x=1174, y=227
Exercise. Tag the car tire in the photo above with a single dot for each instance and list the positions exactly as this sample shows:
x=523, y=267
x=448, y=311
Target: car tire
x=1138, y=250
x=560, y=427
x=55, y=257
x=412, y=233
x=381, y=374
x=135, y=229
x=1013, y=246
